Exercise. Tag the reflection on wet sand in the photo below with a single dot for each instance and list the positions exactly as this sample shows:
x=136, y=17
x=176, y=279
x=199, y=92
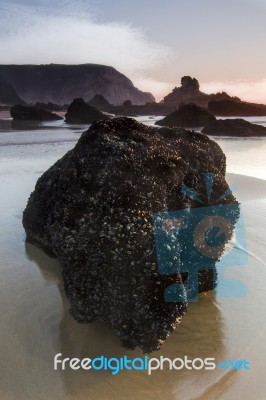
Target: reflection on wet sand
x=199, y=335
x=11, y=125
x=35, y=324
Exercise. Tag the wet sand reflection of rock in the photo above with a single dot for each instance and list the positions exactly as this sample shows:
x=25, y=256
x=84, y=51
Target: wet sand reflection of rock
x=199, y=335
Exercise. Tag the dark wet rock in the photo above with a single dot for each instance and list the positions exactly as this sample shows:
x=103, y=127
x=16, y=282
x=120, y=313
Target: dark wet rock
x=234, y=127
x=93, y=210
x=81, y=113
x=188, y=115
x=26, y=113
x=232, y=108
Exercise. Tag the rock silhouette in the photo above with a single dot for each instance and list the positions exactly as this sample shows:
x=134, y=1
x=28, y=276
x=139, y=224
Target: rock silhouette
x=234, y=127
x=26, y=113
x=188, y=115
x=81, y=113
x=189, y=92
x=236, y=108
x=61, y=83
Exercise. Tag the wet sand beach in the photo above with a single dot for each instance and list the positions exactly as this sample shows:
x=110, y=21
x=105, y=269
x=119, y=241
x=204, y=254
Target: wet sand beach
x=36, y=325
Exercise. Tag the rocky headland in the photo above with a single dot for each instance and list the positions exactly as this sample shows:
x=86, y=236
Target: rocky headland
x=60, y=83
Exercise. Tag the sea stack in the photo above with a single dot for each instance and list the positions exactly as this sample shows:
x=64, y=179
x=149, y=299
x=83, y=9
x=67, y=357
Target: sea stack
x=189, y=92
x=187, y=115
x=26, y=113
x=81, y=113
x=234, y=127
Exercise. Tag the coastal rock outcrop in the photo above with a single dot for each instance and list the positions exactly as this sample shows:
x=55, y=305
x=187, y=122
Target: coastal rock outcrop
x=187, y=115
x=94, y=209
x=81, y=113
x=26, y=113
x=234, y=127
x=189, y=92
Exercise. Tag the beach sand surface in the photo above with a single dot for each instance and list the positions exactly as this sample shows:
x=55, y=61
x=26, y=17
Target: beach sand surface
x=36, y=325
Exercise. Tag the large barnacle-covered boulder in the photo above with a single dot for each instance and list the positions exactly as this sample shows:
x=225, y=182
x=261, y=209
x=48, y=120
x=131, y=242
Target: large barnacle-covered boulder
x=94, y=208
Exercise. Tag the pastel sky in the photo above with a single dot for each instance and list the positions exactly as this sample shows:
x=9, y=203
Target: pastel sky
x=153, y=42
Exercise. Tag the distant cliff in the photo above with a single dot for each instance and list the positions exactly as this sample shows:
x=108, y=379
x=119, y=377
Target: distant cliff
x=189, y=92
x=8, y=94
x=61, y=83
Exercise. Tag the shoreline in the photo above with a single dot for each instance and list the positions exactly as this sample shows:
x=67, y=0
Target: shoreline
x=248, y=187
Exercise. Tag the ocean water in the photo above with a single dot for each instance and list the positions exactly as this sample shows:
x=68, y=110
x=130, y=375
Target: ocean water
x=36, y=325
x=246, y=156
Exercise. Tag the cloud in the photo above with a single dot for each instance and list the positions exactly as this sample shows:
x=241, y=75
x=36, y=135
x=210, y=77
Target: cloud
x=246, y=90
x=42, y=38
